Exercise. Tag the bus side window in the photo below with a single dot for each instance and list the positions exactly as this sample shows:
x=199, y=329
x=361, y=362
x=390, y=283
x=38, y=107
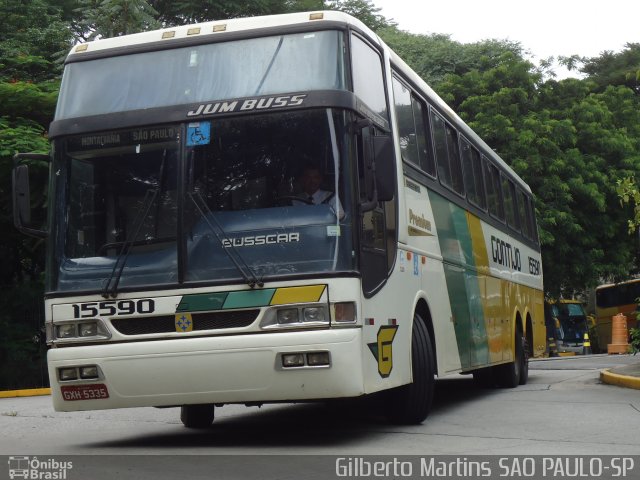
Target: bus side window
x=510, y=199
x=424, y=152
x=440, y=146
x=473, y=177
x=368, y=79
x=524, y=207
x=412, y=128
x=406, y=124
x=445, y=140
x=494, y=190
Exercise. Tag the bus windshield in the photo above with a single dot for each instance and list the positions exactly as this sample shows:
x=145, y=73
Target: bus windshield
x=203, y=73
x=214, y=201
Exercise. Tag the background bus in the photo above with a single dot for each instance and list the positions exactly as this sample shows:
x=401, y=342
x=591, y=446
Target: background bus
x=567, y=324
x=186, y=268
x=612, y=299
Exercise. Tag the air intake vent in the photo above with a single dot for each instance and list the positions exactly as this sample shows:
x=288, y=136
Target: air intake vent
x=201, y=321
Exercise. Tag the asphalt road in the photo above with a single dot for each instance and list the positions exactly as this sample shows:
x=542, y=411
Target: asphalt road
x=563, y=410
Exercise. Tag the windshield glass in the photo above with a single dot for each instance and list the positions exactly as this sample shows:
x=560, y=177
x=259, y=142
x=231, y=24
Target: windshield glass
x=270, y=192
x=181, y=76
x=264, y=196
x=116, y=194
x=573, y=322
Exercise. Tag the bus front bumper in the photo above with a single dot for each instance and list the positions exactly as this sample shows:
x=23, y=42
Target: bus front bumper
x=217, y=369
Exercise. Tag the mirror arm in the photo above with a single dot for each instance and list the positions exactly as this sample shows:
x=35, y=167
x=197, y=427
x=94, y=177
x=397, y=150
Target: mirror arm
x=18, y=157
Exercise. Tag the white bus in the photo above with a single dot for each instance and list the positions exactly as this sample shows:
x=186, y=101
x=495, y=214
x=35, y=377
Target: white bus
x=187, y=266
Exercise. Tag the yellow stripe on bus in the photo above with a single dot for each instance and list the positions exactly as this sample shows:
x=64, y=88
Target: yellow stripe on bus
x=310, y=293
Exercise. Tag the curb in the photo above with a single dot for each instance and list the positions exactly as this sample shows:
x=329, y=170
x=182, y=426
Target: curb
x=607, y=376
x=34, y=392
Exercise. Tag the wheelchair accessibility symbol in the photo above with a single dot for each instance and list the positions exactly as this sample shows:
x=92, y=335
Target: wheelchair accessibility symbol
x=198, y=133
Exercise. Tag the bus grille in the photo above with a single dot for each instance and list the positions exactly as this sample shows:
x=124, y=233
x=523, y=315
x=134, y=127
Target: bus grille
x=201, y=321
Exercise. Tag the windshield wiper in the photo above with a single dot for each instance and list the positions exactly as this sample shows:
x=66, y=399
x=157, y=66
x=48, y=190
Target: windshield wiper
x=268, y=70
x=240, y=265
x=121, y=260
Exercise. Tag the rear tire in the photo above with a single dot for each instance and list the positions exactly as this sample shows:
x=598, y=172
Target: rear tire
x=410, y=404
x=512, y=374
x=524, y=373
x=197, y=416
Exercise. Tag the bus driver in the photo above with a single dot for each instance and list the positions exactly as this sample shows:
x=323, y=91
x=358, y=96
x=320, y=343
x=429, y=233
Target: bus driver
x=311, y=181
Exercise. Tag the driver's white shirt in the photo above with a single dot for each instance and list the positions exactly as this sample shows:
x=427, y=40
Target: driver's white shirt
x=319, y=197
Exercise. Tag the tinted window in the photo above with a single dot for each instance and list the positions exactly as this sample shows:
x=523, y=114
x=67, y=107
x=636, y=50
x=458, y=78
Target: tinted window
x=367, y=76
x=473, y=177
x=204, y=73
x=524, y=209
x=424, y=154
x=447, y=156
x=412, y=128
x=440, y=145
x=510, y=207
x=494, y=189
x=406, y=124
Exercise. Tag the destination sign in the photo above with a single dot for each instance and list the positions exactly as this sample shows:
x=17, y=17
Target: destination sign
x=137, y=136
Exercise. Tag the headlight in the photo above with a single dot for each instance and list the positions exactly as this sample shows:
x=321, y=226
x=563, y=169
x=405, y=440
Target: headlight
x=66, y=330
x=82, y=330
x=89, y=329
x=296, y=317
x=313, y=314
x=287, y=315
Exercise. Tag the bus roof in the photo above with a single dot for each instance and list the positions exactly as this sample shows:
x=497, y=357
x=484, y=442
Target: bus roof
x=224, y=27
x=625, y=282
x=218, y=27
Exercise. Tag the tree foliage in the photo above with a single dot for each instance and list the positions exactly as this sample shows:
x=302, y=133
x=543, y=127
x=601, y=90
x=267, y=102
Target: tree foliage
x=570, y=143
x=610, y=68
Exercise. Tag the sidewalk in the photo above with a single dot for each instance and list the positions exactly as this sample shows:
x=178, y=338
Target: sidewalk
x=625, y=376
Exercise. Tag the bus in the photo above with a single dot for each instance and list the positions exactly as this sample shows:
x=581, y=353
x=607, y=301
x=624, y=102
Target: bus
x=612, y=299
x=185, y=268
x=567, y=325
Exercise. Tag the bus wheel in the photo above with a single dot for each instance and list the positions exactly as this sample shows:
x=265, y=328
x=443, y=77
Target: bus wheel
x=524, y=372
x=510, y=374
x=197, y=416
x=410, y=404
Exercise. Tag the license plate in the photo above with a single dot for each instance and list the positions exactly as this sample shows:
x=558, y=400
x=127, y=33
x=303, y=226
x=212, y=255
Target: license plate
x=85, y=392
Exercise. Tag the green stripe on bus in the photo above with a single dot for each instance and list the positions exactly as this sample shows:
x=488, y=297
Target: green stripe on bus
x=463, y=283
x=249, y=298
x=201, y=302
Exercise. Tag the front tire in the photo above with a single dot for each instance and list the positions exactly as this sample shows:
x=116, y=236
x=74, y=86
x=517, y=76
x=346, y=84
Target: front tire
x=410, y=404
x=197, y=416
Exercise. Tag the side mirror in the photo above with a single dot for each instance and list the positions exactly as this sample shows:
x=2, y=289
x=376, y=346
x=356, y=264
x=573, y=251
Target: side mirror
x=369, y=167
x=22, y=210
x=379, y=167
x=385, y=169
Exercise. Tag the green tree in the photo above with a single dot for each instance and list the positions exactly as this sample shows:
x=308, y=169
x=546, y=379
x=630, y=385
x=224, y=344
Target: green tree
x=363, y=10
x=435, y=56
x=190, y=11
x=32, y=36
x=571, y=143
x=112, y=18
x=610, y=68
